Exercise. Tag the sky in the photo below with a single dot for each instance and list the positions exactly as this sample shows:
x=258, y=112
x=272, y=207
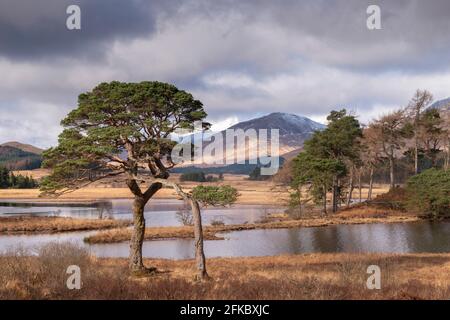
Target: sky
x=241, y=58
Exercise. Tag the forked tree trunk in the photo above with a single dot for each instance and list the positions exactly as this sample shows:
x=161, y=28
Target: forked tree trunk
x=198, y=235
x=136, y=264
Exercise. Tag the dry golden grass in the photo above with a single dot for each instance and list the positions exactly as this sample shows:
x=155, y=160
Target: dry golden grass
x=27, y=224
x=306, y=276
x=251, y=192
x=36, y=174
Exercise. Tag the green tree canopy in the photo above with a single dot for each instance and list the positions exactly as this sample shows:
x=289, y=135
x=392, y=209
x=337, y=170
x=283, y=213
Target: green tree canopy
x=317, y=173
x=326, y=156
x=215, y=195
x=429, y=193
x=119, y=128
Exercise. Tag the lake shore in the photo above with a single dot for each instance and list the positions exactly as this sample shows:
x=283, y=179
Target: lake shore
x=47, y=225
x=364, y=215
x=251, y=192
x=301, y=276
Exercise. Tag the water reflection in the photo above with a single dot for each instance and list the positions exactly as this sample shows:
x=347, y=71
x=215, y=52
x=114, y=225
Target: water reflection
x=388, y=238
x=158, y=212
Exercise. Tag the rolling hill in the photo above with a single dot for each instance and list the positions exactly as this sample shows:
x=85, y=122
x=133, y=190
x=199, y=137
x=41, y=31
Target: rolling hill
x=19, y=156
x=22, y=146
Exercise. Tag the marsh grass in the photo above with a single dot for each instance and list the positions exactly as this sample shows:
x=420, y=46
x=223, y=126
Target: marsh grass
x=309, y=276
x=32, y=224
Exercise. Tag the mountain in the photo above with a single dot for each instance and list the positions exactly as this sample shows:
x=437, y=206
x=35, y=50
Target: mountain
x=444, y=108
x=443, y=105
x=18, y=156
x=293, y=131
x=22, y=146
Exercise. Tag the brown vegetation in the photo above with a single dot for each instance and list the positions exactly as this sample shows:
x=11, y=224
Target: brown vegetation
x=29, y=224
x=306, y=276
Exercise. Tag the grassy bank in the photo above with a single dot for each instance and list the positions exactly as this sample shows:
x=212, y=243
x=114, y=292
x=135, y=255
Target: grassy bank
x=354, y=216
x=27, y=224
x=307, y=276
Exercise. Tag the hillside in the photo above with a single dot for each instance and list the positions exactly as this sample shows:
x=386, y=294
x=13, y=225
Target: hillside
x=22, y=146
x=15, y=158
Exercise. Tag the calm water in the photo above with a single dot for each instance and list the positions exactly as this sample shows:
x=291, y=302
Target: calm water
x=389, y=238
x=158, y=212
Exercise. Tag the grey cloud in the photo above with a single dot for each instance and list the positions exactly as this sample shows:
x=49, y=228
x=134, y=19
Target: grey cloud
x=31, y=29
x=241, y=58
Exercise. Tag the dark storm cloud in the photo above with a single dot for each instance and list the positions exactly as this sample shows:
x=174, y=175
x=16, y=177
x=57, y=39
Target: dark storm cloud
x=241, y=58
x=31, y=29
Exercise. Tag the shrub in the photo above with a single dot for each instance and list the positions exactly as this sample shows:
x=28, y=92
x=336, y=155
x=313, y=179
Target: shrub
x=394, y=199
x=215, y=195
x=193, y=176
x=217, y=223
x=429, y=193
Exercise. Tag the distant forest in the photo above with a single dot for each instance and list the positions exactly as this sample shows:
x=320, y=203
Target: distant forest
x=15, y=181
x=16, y=159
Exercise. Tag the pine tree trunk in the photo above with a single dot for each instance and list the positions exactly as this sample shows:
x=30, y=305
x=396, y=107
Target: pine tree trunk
x=198, y=235
x=416, y=158
x=351, y=186
x=335, y=195
x=360, y=186
x=447, y=158
x=369, y=195
x=391, y=173
x=300, y=201
x=325, y=200
x=136, y=265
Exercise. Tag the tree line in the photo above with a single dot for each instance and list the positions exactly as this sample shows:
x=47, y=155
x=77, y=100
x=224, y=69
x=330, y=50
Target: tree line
x=200, y=176
x=338, y=158
x=16, y=181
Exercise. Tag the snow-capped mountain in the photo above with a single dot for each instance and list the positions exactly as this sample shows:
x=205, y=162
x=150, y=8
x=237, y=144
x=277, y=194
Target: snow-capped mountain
x=293, y=129
x=442, y=105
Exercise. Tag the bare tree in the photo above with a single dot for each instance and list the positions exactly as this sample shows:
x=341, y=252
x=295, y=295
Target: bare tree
x=371, y=156
x=390, y=132
x=445, y=126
